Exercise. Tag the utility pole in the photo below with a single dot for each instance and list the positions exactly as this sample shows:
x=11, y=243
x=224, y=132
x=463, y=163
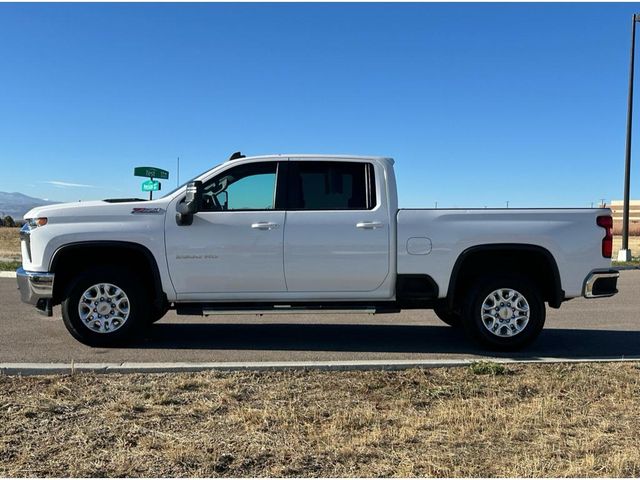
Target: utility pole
x=624, y=255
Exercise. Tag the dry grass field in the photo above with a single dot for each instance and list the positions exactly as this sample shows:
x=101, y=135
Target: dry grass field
x=9, y=242
x=634, y=228
x=549, y=421
x=634, y=245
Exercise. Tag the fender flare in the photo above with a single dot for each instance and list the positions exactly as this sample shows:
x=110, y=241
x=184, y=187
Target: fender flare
x=557, y=293
x=160, y=296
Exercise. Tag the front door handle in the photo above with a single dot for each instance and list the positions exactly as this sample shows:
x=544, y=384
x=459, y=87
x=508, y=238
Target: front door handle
x=369, y=225
x=264, y=225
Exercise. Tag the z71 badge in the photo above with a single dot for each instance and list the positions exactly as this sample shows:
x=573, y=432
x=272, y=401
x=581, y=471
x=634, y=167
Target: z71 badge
x=147, y=210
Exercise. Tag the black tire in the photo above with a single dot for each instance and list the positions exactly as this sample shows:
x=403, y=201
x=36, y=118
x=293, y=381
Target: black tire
x=451, y=318
x=129, y=283
x=472, y=312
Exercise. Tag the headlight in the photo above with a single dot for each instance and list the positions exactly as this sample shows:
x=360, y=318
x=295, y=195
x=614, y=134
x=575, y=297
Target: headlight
x=37, y=222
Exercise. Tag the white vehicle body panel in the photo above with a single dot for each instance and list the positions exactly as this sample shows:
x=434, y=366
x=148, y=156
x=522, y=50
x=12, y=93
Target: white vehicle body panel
x=327, y=252
x=570, y=235
x=221, y=253
x=315, y=255
x=73, y=223
x=341, y=251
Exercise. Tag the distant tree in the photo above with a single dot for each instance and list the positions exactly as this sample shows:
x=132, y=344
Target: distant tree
x=1, y=222
x=8, y=221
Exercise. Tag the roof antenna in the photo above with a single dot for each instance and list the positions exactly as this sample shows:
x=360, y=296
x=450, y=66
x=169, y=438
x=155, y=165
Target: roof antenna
x=236, y=155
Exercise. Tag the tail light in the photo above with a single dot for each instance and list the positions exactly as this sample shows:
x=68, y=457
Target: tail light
x=606, y=222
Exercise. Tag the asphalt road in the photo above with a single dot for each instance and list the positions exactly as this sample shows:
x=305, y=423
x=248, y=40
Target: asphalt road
x=604, y=328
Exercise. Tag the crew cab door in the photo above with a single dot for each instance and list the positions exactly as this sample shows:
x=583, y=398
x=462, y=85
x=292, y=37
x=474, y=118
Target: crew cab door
x=235, y=243
x=337, y=230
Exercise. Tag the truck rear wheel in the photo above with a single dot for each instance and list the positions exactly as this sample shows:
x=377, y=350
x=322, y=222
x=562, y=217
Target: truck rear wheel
x=504, y=312
x=451, y=318
x=105, y=306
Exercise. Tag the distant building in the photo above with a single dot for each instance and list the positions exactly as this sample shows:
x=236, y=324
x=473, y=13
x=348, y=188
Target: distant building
x=617, y=207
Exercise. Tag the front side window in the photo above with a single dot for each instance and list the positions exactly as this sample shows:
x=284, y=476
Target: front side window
x=246, y=187
x=331, y=186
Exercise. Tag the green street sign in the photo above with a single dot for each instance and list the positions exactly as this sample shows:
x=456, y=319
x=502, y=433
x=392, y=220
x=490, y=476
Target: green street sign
x=151, y=172
x=151, y=186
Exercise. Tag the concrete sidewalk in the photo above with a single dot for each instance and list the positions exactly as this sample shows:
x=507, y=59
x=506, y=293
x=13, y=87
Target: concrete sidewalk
x=133, y=367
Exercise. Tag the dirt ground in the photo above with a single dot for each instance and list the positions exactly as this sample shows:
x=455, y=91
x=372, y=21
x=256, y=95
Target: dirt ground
x=542, y=421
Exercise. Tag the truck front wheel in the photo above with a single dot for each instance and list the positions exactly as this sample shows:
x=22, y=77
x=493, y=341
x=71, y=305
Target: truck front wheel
x=105, y=306
x=504, y=312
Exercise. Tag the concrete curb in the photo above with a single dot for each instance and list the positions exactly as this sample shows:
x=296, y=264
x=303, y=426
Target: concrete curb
x=7, y=274
x=133, y=367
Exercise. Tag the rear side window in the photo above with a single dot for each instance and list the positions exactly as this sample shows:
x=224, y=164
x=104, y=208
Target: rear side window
x=331, y=186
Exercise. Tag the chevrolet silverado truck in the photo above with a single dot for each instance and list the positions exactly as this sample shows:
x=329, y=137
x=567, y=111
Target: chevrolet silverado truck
x=308, y=233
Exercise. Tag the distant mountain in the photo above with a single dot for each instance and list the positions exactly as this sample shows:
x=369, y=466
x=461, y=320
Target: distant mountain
x=17, y=204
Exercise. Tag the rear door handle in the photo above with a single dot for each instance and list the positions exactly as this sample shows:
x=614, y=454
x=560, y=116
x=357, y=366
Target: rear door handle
x=369, y=225
x=264, y=225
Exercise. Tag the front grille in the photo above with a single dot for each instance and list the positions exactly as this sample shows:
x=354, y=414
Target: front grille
x=25, y=240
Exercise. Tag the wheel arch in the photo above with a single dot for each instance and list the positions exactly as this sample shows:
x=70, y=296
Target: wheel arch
x=126, y=253
x=538, y=260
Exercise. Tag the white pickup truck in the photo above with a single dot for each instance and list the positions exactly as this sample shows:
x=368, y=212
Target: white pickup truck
x=299, y=233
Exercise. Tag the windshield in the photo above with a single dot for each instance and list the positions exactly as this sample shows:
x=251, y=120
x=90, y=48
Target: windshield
x=185, y=183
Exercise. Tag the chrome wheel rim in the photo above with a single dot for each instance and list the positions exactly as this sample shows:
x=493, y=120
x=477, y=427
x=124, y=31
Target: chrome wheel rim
x=505, y=312
x=104, y=308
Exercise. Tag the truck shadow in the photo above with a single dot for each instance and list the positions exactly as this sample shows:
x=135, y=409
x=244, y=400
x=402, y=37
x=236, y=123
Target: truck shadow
x=569, y=343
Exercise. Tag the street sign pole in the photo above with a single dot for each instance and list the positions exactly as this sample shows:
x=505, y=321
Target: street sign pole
x=152, y=173
x=624, y=255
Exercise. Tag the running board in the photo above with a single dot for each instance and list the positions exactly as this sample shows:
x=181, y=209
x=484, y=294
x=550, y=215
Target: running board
x=285, y=309
x=264, y=308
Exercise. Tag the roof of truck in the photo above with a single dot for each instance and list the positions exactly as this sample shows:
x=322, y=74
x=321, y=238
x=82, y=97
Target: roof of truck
x=310, y=156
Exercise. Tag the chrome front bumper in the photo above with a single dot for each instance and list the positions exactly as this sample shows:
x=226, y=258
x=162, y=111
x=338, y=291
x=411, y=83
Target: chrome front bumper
x=36, y=288
x=601, y=284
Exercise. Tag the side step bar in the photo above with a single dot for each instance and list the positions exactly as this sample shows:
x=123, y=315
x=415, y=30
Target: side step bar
x=280, y=309
x=284, y=309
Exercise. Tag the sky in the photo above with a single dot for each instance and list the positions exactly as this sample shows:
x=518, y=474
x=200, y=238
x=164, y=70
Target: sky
x=479, y=104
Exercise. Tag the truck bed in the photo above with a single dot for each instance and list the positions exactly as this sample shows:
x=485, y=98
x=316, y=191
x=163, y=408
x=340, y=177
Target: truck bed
x=432, y=239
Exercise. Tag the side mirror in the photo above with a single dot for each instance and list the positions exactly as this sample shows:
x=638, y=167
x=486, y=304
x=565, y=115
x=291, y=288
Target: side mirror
x=192, y=203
